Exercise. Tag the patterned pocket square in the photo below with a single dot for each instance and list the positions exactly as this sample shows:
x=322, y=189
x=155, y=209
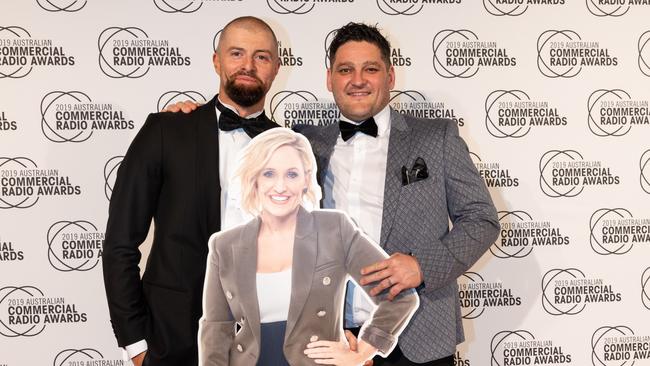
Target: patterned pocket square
x=417, y=173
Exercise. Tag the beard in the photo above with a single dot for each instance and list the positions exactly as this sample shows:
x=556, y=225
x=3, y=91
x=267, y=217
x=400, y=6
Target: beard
x=245, y=96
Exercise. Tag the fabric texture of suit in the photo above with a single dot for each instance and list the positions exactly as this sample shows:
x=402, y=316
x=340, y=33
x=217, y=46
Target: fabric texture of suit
x=415, y=221
x=171, y=174
x=327, y=247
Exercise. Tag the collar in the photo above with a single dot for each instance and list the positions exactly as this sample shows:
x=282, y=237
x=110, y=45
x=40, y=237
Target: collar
x=382, y=119
x=235, y=110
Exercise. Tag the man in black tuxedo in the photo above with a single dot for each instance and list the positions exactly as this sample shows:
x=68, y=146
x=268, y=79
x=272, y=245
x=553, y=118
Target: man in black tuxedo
x=177, y=171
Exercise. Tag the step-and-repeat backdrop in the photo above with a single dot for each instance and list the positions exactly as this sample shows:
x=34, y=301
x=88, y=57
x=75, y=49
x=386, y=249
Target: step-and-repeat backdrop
x=552, y=97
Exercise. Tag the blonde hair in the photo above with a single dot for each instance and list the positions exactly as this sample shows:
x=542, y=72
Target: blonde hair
x=258, y=153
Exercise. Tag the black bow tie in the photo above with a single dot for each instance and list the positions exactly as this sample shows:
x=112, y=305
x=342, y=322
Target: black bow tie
x=369, y=127
x=229, y=120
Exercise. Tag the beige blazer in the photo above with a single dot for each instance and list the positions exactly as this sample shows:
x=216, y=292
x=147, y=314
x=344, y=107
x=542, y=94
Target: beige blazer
x=327, y=248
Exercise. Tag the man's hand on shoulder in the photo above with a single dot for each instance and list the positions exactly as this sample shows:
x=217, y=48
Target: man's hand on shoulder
x=398, y=272
x=187, y=106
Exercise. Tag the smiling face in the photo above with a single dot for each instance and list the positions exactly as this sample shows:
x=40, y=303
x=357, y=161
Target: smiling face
x=247, y=63
x=281, y=183
x=360, y=80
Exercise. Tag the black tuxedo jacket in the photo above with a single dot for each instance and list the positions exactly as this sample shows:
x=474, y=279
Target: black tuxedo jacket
x=171, y=174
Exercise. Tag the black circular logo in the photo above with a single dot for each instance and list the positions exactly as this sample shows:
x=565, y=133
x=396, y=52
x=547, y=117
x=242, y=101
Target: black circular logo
x=503, y=8
x=552, y=281
x=601, y=8
x=548, y=63
x=22, y=67
x=293, y=7
x=510, y=244
x=603, y=119
x=503, y=341
x=644, y=175
x=645, y=288
x=215, y=40
x=77, y=357
x=74, y=246
x=444, y=44
x=644, y=53
x=600, y=341
x=472, y=308
x=110, y=173
x=389, y=7
x=174, y=96
x=15, y=193
x=497, y=119
x=68, y=6
x=176, y=6
x=604, y=237
x=328, y=40
x=116, y=37
x=287, y=98
x=550, y=162
x=13, y=321
x=56, y=115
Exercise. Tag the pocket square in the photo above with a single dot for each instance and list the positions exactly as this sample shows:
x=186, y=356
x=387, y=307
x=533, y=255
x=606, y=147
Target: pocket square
x=417, y=173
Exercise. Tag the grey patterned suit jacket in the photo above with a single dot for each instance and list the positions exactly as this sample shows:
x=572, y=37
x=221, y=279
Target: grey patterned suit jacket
x=416, y=220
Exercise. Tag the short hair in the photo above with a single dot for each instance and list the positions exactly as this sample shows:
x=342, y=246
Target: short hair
x=360, y=32
x=247, y=22
x=258, y=153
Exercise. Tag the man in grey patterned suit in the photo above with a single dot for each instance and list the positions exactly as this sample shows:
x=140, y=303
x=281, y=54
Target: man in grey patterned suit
x=402, y=179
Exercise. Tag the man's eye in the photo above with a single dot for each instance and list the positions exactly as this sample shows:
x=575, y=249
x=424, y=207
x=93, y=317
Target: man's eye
x=263, y=57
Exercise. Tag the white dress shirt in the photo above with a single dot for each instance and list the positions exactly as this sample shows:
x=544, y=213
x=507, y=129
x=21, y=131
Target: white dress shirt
x=231, y=144
x=354, y=183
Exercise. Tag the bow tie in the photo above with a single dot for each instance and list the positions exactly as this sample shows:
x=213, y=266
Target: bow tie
x=229, y=120
x=369, y=127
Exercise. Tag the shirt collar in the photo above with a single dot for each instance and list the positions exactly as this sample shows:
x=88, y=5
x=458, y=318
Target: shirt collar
x=382, y=119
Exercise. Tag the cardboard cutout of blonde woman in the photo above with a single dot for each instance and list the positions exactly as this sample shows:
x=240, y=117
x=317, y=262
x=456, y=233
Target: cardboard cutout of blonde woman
x=274, y=287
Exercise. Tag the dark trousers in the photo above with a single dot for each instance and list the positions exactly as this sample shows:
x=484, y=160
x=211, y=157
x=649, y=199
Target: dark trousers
x=397, y=358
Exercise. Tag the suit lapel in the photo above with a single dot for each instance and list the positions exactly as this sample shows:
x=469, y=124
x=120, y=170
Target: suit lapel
x=245, y=266
x=207, y=154
x=304, y=263
x=399, y=151
x=324, y=147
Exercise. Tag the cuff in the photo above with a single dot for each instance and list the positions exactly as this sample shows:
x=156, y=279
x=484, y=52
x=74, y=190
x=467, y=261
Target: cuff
x=379, y=339
x=135, y=349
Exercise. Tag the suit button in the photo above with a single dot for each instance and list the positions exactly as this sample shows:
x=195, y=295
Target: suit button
x=229, y=295
x=313, y=338
x=327, y=281
x=321, y=313
x=240, y=348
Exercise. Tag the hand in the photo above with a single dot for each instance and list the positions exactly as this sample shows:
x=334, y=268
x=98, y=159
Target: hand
x=138, y=359
x=185, y=107
x=352, y=342
x=399, y=272
x=338, y=353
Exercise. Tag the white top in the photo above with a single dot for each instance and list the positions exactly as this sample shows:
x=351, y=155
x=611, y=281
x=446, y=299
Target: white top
x=354, y=183
x=274, y=295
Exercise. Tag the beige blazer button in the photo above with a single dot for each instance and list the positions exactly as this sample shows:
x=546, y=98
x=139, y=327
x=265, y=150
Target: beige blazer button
x=327, y=281
x=321, y=313
x=229, y=295
x=240, y=348
x=313, y=338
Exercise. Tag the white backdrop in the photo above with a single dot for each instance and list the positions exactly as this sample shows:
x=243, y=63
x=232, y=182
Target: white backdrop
x=551, y=96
